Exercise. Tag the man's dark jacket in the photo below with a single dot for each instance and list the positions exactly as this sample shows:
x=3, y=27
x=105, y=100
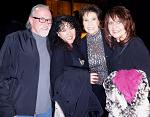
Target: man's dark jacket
x=19, y=74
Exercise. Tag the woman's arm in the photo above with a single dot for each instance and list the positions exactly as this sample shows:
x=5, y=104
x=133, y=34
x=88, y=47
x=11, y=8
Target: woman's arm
x=57, y=65
x=141, y=56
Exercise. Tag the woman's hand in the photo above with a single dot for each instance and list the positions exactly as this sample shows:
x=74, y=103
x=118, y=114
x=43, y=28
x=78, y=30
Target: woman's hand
x=94, y=78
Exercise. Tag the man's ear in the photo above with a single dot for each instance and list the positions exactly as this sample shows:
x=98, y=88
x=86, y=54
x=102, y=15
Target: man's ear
x=30, y=19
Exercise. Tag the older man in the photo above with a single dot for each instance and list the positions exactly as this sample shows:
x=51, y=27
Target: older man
x=25, y=68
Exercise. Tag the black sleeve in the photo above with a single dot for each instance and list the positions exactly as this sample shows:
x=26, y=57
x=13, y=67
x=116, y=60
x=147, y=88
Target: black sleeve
x=6, y=102
x=141, y=57
x=57, y=65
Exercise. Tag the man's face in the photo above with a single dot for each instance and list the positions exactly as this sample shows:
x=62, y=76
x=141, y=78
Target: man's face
x=41, y=21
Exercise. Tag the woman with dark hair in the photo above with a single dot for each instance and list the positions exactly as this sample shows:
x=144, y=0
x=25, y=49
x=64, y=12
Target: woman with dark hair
x=71, y=89
x=95, y=50
x=129, y=51
x=127, y=86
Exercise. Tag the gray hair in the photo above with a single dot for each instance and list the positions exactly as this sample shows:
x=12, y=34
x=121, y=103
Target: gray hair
x=28, y=25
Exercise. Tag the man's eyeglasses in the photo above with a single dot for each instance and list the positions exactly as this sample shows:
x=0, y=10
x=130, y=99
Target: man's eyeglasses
x=43, y=20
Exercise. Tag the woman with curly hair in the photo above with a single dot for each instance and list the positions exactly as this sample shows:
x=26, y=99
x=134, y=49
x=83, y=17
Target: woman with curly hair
x=70, y=79
x=96, y=50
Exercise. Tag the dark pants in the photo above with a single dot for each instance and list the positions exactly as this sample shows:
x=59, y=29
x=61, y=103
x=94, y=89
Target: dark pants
x=100, y=93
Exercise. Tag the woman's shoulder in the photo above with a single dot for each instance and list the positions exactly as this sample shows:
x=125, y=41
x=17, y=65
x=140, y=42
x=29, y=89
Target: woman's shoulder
x=137, y=42
x=138, y=45
x=136, y=39
x=57, y=50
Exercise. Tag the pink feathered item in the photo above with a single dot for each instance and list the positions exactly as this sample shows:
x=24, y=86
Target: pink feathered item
x=127, y=94
x=127, y=81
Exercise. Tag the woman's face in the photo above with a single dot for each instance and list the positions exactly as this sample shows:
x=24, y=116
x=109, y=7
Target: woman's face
x=91, y=22
x=116, y=29
x=67, y=33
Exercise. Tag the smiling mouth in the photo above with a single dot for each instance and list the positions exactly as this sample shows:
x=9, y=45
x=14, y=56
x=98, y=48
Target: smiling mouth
x=115, y=31
x=90, y=28
x=70, y=38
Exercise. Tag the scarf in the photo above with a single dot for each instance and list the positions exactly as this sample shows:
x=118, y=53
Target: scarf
x=96, y=56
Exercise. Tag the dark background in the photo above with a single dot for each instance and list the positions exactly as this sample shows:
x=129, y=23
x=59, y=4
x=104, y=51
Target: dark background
x=14, y=14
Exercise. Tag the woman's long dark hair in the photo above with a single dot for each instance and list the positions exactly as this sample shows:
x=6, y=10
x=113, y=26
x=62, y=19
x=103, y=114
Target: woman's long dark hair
x=56, y=27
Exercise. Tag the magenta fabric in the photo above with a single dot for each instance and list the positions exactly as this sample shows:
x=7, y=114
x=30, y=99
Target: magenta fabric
x=127, y=82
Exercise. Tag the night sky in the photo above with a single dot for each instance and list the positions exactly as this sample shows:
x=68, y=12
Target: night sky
x=14, y=15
